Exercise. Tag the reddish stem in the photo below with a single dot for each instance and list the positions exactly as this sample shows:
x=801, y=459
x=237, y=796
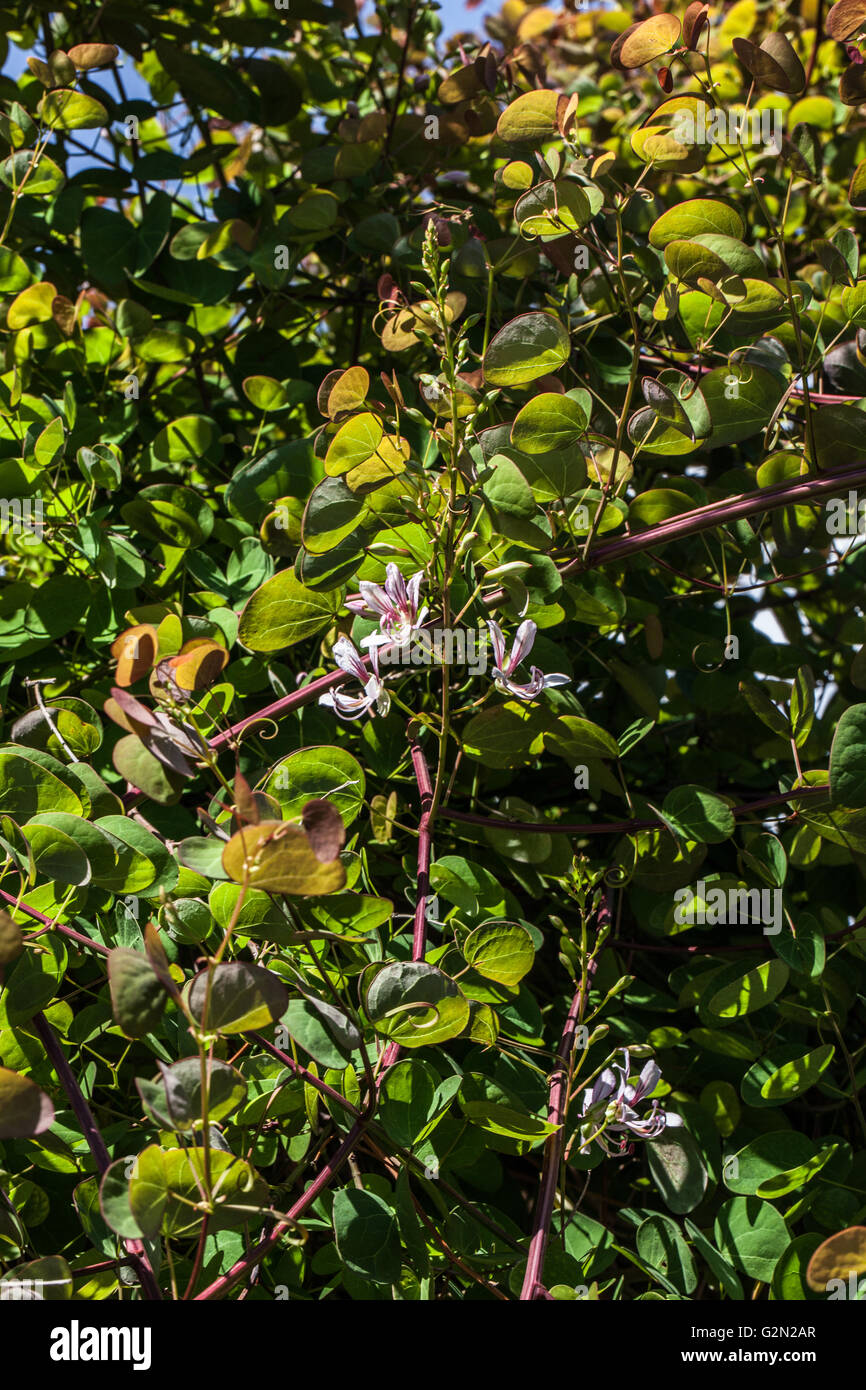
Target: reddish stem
x=619, y=827
x=333, y=1166
x=52, y=925
x=95, y=1143
x=559, y=1086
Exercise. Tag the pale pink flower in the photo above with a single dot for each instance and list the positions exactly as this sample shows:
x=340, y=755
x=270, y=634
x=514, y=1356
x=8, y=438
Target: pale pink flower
x=502, y=669
x=375, y=695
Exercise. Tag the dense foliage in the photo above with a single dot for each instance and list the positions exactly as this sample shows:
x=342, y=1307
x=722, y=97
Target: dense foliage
x=433, y=788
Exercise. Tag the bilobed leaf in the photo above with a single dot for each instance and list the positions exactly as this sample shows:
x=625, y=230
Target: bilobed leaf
x=68, y=110
x=695, y=217
x=845, y=18
x=137, y=996
x=283, y=612
x=797, y=1076
x=321, y=1029
x=699, y=815
x=87, y=56
x=25, y=1110
x=174, y=1099
x=501, y=951
x=838, y=1257
x=530, y=346
x=751, y=991
x=416, y=1004
x=547, y=422
x=280, y=859
x=752, y=1235
x=242, y=998
x=366, y=1234
x=761, y=705
x=530, y=117
x=355, y=442
x=644, y=42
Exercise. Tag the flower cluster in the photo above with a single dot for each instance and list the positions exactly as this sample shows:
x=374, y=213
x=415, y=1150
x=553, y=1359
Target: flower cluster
x=396, y=605
x=610, y=1108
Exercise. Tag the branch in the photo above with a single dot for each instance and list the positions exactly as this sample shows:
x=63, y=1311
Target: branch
x=95, y=1143
x=51, y=924
x=392, y=1052
x=559, y=1086
x=706, y=518
x=619, y=827
x=688, y=524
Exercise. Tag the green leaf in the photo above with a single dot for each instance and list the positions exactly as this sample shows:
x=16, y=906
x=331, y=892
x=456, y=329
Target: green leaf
x=366, y=1234
x=501, y=951
x=242, y=998
x=68, y=110
x=698, y=814
x=530, y=117
x=752, y=1235
x=324, y=1031
x=173, y=1100
x=415, y=1004
x=283, y=612
x=326, y=772
x=765, y=1158
x=761, y=705
x=408, y=1100
x=678, y=1170
x=750, y=991
x=848, y=759
x=741, y=400
x=530, y=346
x=138, y=998
x=796, y=1077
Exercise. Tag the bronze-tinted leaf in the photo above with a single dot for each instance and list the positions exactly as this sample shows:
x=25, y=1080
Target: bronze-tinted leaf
x=845, y=19
x=63, y=314
x=838, y=1257
x=695, y=20
x=93, y=55
x=11, y=939
x=852, y=86
x=135, y=651
x=774, y=64
x=279, y=858
x=325, y=830
x=460, y=85
x=241, y=997
x=137, y=994
x=25, y=1110
x=198, y=664
x=644, y=42
x=246, y=806
x=159, y=960
x=857, y=186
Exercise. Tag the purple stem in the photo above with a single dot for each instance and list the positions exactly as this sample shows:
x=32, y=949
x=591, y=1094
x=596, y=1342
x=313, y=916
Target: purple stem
x=95, y=1143
x=559, y=1084
x=620, y=827
x=51, y=925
